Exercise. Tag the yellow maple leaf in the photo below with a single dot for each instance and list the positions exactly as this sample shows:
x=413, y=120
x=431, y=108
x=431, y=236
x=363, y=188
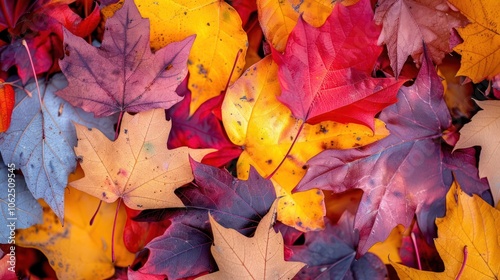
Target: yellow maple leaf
x=481, y=47
x=265, y=128
x=78, y=250
x=137, y=167
x=258, y=257
x=469, y=223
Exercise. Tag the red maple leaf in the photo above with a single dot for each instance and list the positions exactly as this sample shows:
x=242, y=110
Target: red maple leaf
x=325, y=72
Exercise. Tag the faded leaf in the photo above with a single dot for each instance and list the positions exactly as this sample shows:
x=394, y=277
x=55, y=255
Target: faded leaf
x=257, y=257
x=469, y=222
x=41, y=138
x=408, y=23
x=266, y=129
x=481, y=47
x=78, y=250
x=137, y=167
x=6, y=105
x=123, y=75
x=483, y=131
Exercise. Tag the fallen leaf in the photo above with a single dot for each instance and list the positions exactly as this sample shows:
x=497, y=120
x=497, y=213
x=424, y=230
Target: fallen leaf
x=78, y=250
x=137, y=167
x=41, y=138
x=257, y=257
x=483, y=131
x=409, y=252
x=123, y=75
x=17, y=204
x=278, y=18
x=481, y=47
x=320, y=80
x=266, y=130
x=201, y=130
x=470, y=224
x=184, y=249
x=219, y=38
x=408, y=23
x=7, y=102
x=404, y=174
x=137, y=234
x=11, y=11
x=331, y=254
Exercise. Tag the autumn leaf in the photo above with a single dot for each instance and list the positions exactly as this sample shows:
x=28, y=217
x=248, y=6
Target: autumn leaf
x=6, y=105
x=265, y=128
x=467, y=240
x=404, y=174
x=137, y=167
x=481, y=47
x=11, y=12
x=257, y=257
x=137, y=234
x=219, y=38
x=41, y=138
x=203, y=129
x=483, y=131
x=123, y=75
x=320, y=80
x=17, y=204
x=78, y=250
x=331, y=254
x=233, y=203
x=408, y=23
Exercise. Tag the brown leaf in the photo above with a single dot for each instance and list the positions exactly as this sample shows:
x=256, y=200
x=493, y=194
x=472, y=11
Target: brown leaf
x=257, y=257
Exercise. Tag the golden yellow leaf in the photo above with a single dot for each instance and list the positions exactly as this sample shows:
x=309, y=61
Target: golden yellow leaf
x=278, y=17
x=469, y=222
x=265, y=128
x=388, y=250
x=258, y=257
x=481, y=47
x=78, y=250
x=137, y=167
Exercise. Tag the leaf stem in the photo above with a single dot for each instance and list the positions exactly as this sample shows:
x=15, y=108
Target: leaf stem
x=95, y=213
x=466, y=252
x=232, y=70
x=113, y=232
x=34, y=72
x=417, y=255
x=287, y=153
x=118, y=124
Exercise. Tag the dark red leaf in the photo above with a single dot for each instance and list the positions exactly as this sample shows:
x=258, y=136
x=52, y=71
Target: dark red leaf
x=137, y=234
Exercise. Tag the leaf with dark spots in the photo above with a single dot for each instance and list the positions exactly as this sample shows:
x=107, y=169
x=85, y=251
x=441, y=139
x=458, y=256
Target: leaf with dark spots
x=123, y=75
x=233, y=203
x=406, y=173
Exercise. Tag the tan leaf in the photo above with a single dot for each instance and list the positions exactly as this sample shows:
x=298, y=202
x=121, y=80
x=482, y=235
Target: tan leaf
x=483, y=130
x=137, y=167
x=257, y=257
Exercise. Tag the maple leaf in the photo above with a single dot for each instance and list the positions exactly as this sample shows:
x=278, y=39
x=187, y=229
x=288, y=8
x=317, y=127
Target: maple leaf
x=6, y=105
x=467, y=240
x=137, y=234
x=45, y=39
x=41, y=138
x=331, y=254
x=257, y=257
x=201, y=130
x=408, y=23
x=232, y=202
x=320, y=80
x=18, y=205
x=266, y=136
x=405, y=173
x=123, y=75
x=483, y=131
x=137, y=167
x=219, y=38
x=481, y=47
x=78, y=250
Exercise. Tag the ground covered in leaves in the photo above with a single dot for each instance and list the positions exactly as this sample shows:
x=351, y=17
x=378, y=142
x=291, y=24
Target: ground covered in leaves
x=247, y=139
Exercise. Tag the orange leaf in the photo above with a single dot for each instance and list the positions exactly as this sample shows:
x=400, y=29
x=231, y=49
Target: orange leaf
x=481, y=47
x=137, y=167
x=258, y=257
x=469, y=223
x=7, y=100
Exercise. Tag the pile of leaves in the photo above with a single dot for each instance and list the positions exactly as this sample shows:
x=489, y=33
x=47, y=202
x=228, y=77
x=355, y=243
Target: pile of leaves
x=249, y=139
